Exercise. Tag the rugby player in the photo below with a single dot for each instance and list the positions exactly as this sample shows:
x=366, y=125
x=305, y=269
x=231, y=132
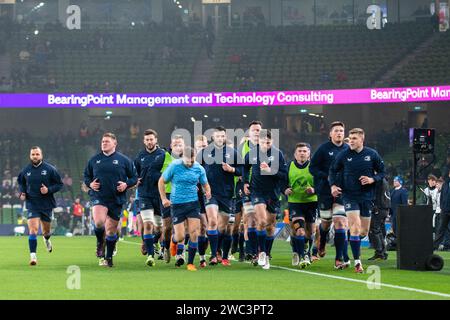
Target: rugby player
x=184, y=174
x=330, y=209
x=221, y=165
x=201, y=142
x=251, y=241
x=38, y=182
x=353, y=175
x=149, y=163
x=108, y=174
x=268, y=171
x=302, y=202
x=176, y=150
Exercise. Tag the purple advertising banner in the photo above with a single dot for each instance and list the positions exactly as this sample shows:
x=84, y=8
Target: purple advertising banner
x=226, y=99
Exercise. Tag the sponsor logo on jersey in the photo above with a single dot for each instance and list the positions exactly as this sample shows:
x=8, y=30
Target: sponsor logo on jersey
x=115, y=161
x=98, y=161
x=44, y=172
x=331, y=153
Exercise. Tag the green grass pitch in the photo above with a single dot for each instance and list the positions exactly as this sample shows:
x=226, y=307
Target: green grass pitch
x=132, y=279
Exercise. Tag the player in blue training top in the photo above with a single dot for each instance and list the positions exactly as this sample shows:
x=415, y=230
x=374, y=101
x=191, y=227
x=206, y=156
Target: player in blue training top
x=38, y=182
x=221, y=164
x=201, y=142
x=184, y=174
x=268, y=168
x=248, y=210
x=149, y=163
x=353, y=174
x=331, y=209
x=108, y=174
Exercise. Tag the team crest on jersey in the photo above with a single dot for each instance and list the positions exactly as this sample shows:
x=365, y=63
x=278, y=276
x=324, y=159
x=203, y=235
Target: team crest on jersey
x=255, y=159
x=271, y=158
x=28, y=174
x=349, y=159
x=115, y=161
x=44, y=172
x=142, y=159
x=227, y=155
x=367, y=158
x=330, y=153
x=98, y=161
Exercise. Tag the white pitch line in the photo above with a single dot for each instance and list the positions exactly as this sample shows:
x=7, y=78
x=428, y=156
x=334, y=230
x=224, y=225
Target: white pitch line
x=387, y=285
x=125, y=241
x=365, y=282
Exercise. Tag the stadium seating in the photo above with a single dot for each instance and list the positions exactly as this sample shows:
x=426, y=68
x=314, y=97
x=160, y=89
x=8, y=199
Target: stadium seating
x=312, y=57
x=431, y=67
x=77, y=57
x=288, y=58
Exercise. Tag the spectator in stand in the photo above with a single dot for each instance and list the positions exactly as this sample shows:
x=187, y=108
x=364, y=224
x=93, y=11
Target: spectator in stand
x=84, y=132
x=399, y=196
x=341, y=76
x=134, y=131
x=68, y=182
x=77, y=213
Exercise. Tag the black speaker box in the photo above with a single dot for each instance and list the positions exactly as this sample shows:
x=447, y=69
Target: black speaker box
x=414, y=236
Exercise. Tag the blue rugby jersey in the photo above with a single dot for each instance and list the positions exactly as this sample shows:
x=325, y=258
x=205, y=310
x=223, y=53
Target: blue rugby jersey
x=30, y=180
x=148, y=167
x=109, y=170
x=184, y=181
x=351, y=165
x=320, y=165
x=265, y=184
x=221, y=182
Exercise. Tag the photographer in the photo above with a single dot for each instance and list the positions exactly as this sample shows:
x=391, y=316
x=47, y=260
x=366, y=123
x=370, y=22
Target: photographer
x=380, y=211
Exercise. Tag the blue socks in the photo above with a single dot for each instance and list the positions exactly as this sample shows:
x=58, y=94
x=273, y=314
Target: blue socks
x=99, y=233
x=213, y=236
x=345, y=250
x=110, y=244
x=262, y=240
x=180, y=249
x=32, y=243
x=355, y=244
x=201, y=245
x=269, y=243
x=300, y=245
x=323, y=237
x=226, y=245
x=148, y=240
x=252, y=241
x=192, y=251
x=339, y=242
x=241, y=242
